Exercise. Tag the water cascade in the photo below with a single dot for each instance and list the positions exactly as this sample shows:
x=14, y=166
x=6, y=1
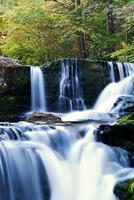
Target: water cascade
x=57, y=163
x=124, y=87
x=70, y=89
x=118, y=71
x=37, y=90
x=63, y=161
x=112, y=91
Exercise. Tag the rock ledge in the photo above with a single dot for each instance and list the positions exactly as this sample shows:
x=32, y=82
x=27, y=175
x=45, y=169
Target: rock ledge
x=43, y=117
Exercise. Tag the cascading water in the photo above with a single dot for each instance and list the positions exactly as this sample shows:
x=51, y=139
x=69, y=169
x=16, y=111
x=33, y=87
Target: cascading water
x=109, y=95
x=120, y=70
x=111, y=92
x=114, y=90
x=37, y=90
x=63, y=162
x=70, y=90
x=56, y=163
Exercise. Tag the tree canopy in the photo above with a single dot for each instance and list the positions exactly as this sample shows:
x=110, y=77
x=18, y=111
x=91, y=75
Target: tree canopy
x=39, y=31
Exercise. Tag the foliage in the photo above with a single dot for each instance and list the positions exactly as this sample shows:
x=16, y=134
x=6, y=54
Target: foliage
x=38, y=31
x=128, y=119
x=125, y=53
x=127, y=189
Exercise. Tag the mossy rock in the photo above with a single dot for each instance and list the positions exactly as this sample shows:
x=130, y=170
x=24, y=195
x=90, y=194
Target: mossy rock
x=127, y=119
x=125, y=190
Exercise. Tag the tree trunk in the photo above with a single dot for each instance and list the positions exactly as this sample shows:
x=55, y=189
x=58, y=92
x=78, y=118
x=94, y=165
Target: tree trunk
x=81, y=40
x=82, y=45
x=110, y=24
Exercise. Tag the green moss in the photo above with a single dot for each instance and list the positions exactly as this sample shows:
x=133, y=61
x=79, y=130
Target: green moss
x=125, y=190
x=127, y=119
x=129, y=186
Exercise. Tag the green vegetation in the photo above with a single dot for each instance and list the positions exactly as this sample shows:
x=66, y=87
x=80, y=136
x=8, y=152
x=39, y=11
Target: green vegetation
x=38, y=31
x=126, y=189
x=127, y=119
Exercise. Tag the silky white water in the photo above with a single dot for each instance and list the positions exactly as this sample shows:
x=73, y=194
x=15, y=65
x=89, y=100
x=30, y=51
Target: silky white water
x=70, y=94
x=111, y=93
x=104, y=104
x=124, y=87
x=63, y=161
x=123, y=70
x=38, y=102
x=57, y=163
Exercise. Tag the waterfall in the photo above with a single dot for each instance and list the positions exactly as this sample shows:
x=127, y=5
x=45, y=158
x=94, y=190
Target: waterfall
x=37, y=90
x=124, y=87
x=58, y=164
x=120, y=70
x=63, y=161
x=112, y=91
x=70, y=96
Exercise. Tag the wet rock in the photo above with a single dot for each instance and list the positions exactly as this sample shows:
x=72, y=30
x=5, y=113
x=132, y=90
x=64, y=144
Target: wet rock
x=7, y=62
x=124, y=105
x=93, y=77
x=43, y=117
x=117, y=135
x=125, y=190
x=14, y=92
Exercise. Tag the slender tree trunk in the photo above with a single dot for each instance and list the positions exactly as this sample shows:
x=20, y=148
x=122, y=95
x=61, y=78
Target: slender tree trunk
x=110, y=19
x=82, y=45
x=81, y=40
x=110, y=24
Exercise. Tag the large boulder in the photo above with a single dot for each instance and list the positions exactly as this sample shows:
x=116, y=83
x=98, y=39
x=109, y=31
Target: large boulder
x=118, y=135
x=43, y=117
x=14, y=92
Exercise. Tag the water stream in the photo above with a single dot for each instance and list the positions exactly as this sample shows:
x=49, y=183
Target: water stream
x=38, y=102
x=120, y=70
x=63, y=161
x=55, y=162
x=70, y=95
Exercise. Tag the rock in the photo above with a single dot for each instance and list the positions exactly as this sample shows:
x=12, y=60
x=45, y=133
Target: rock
x=124, y=105
x=7, y=62
x=125, y=190
x=14, y=92
x=93, y=77
x=121, y=135
x=43, y=117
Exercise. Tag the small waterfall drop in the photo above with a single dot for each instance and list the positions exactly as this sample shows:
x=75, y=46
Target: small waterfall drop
x=124, y=87
x=70, y=89
x=37, y=90
x=64, y=161
x=120, y=70
x=58, y=164
x=112, y=91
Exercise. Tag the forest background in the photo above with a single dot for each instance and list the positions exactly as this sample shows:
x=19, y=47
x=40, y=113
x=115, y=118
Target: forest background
x=37, y=31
